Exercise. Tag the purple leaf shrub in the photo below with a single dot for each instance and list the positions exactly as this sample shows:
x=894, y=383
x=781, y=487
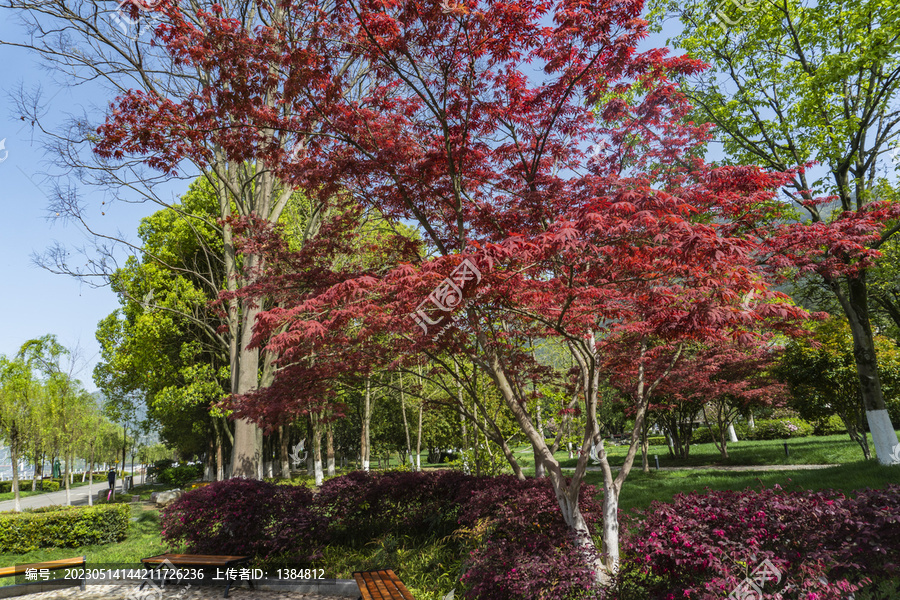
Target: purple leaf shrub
x=246, y=517
x=824, y=544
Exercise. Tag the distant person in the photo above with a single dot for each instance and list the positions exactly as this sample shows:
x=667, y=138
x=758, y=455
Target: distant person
x=111, y=477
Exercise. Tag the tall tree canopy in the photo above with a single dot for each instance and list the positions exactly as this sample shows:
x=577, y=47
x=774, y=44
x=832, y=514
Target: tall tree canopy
x=813, y=87
x=474, y=121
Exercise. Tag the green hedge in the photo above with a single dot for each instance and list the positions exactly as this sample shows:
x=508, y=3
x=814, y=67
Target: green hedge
x=766, y=429
x=181, y=475
x=25, y=486
x=657, y=440
x=63, y=527
x=830, y=426
x=781, y=429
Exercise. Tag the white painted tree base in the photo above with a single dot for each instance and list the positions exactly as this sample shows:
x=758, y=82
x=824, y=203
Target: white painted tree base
x=884, y=438
x=732, y=435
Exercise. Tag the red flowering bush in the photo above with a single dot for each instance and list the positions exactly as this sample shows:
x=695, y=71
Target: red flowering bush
x=823, y=544
x=246, y=517
x=527, y=552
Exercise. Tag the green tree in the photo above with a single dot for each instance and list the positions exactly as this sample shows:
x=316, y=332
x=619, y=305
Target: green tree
x=793, y=83
x=821, y=374
x=18, y=391
x=66, y=400
x=163, y=347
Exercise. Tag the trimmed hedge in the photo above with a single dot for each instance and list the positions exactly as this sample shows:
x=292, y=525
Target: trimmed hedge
x=25, y=486
x=181, y=475
x=63, y=527
x=766, y=429
x=781, y=429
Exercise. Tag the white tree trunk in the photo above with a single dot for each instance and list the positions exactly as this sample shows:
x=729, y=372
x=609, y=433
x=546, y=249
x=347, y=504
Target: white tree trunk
x=732, y=434
x=884, y=438
x=366, y=419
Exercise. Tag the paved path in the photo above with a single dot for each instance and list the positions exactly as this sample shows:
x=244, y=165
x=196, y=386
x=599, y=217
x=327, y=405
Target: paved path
x=131, y=592
x=79, y=495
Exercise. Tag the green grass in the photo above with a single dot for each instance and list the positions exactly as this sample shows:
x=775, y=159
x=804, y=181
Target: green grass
x=640, y=489
x=813, y=450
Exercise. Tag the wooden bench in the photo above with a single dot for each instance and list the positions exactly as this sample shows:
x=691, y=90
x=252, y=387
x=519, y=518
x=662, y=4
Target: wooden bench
x=165, y=562
x=381, y=585
x=50, y=565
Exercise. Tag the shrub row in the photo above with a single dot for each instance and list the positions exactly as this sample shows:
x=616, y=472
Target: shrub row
x=25, y=486
x=63, y=527
x=523, y=550
x=825, y=545
x=765, y=429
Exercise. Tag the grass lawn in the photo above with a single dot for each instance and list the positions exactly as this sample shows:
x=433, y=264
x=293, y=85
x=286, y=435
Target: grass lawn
x=640, y=489
x=813, y=450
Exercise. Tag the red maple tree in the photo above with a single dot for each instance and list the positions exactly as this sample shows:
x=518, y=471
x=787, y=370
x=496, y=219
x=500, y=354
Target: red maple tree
x=547, y=164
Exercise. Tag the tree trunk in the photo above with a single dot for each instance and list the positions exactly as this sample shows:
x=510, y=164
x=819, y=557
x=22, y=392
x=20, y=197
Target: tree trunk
x=284, y=445
x=246, y=453
x=645, y=447
x=68, y=459
x=856, y=307
x=91, y=479
x=538, y=464
x=329, y=447
x=405, y=422
x=317, y=449
x=366, y=419
x=220, y=449
x=419, y=439
x=14, y=456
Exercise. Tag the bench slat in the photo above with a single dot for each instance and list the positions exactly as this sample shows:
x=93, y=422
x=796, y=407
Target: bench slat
x=51, y=565
x=195, y=560
x=381, y=585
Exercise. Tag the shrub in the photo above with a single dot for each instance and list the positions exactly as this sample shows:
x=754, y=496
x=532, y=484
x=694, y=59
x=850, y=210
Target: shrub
x=527, y=551
x=657, y=440
x=826, y=545
x=830, y=426
x=246, y=517
x=63, y=527
x=363, y=506
x=781, y=429
x=181, y=475
x=6, y=486
x=159, y=466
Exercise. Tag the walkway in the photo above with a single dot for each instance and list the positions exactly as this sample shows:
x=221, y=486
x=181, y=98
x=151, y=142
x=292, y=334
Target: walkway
x=187, y=592
x=79, y=495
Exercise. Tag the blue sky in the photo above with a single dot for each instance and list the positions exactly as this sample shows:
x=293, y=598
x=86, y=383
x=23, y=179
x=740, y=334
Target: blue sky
x=34, y=301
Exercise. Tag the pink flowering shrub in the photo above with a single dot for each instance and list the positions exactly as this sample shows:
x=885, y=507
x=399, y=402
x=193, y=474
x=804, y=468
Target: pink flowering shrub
x=246, y=517
x=824, y=545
